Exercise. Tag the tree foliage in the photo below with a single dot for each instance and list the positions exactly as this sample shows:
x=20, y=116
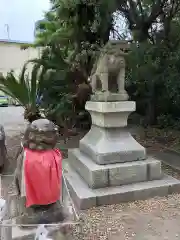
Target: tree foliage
x=153, y=78
x=146, y=17
x=79, y=28
x=72, y=34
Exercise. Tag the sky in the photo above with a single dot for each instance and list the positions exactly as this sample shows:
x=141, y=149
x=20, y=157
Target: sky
x=20, y=16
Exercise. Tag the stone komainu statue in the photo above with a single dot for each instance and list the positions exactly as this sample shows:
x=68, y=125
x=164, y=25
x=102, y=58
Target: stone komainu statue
x=40, y=137
x=108, y=74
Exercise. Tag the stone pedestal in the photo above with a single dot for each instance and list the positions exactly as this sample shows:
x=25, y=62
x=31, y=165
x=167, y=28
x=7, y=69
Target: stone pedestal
x=110, y=166
x=109, y=141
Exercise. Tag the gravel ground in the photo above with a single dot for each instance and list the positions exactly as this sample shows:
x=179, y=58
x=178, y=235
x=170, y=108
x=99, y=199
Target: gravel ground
x=157, y=218
x=153, y=219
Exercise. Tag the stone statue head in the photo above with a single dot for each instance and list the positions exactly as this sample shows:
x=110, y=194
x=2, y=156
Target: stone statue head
x=115, y=62
x=41, y=134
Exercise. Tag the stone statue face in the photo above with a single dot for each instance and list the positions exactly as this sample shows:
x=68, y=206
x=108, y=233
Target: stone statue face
x=112, y=59
x=115, y=62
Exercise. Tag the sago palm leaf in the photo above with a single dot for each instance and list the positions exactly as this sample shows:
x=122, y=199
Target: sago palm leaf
x=12, y=87
x=25, y=88
x=34, y=85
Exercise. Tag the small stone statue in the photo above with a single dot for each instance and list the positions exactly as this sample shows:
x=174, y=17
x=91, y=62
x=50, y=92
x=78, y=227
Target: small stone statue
x=108, y=74
x=39, y=163
x=3, y=150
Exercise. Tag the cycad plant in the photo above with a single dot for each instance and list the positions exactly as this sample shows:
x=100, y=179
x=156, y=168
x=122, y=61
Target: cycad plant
x=25, y=89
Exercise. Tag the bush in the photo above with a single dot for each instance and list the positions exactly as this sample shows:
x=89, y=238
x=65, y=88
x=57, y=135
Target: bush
x=153, y=82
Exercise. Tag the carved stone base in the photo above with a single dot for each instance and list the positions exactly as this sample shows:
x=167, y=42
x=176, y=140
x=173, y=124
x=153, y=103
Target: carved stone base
x=42, y=215
x=109, y=97
x=86, y=197
x=110, y=166
x=111, y=145
x=36, y=214
x=116, y=174
x=109, y=141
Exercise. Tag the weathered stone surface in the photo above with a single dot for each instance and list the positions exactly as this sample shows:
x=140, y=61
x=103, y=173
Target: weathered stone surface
x=81, y=194
x=127, y=173
x=96, y=176
x=110, y=114
x=18, y=174
x=16, y=205
x=109, y=140
x=85, y=197
x=50, y=214
x=99, y=176
x=3, y=150
x=154, y=169
x=105, y=146
x=41, y=134
x=109, y=97
x=6, y=231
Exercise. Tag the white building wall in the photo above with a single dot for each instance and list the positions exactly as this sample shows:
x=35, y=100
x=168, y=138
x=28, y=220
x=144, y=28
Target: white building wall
x=12, y=57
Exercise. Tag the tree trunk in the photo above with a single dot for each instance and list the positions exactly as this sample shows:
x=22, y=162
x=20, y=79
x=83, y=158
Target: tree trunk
x=151, y=116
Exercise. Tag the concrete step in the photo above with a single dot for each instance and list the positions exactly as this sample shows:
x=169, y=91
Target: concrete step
x=85, y=198
x=19, y=233
x=99, y=176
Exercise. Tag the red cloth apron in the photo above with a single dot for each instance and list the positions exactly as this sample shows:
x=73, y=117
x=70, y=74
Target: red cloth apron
x=43, y=176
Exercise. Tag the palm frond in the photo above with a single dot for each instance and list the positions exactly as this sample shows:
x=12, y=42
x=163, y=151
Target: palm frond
x=25, y=88
x=34, y=85
x=11, y=86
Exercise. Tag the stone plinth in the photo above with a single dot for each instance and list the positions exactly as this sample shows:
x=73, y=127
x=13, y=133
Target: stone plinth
x=109, y=141
x=99, y=176
x=109, y=97
x=110, y=166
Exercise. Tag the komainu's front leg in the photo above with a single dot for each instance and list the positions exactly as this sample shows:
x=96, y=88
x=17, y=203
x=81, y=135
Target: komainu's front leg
x=104, y=81
x=93, y=83
x=121, y=85
x=121, y=80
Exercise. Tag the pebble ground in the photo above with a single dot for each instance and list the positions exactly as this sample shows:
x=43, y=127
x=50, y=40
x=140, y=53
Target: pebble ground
x=154, y=219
